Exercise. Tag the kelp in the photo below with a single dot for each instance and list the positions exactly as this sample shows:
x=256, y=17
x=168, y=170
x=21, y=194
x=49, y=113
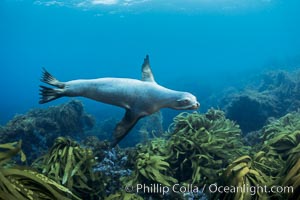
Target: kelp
x=204, y=143
x=12, y=149
x=292, y=178
x=269, y=163
x=18, y=183
x=71, y=165
x=282, y=137
x=152, y=168
x=197, y=148
x=291, y=172
x=240, y=176
x=283, y=134
x=207, y=148
x=157, y=146
x=282, y=143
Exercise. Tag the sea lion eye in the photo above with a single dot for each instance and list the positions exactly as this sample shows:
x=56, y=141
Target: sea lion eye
x=183, y=101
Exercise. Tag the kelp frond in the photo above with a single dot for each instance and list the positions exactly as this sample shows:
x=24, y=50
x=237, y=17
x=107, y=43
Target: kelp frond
x=23, y=184
x=71, y=165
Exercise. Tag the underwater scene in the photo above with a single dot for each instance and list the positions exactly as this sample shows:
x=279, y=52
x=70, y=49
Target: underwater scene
x=148, y=99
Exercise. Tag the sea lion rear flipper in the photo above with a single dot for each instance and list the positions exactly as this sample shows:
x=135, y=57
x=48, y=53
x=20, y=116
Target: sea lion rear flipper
x=51, y=80
x=146, y=71
x=124, y=126
x=50, y=94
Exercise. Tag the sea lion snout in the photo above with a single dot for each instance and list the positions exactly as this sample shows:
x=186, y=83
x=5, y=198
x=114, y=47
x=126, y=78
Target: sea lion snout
x=195, y=106
x=187, y=102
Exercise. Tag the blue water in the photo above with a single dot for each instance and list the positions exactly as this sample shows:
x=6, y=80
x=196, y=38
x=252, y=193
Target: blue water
x=198, y=46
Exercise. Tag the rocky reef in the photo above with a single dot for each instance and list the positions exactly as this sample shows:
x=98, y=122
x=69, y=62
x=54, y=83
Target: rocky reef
x=197, y=150
x=40, y=127
x=273, y=94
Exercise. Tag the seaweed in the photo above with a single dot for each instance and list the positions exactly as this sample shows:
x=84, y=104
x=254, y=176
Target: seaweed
x=17, y=183
x=268, y=163
x=282, y=144
x=292, y=178
x=71, y=165
x=282, y=135
x=241, y=175
x=194, y=151
x=152, y=168
x=204, y=143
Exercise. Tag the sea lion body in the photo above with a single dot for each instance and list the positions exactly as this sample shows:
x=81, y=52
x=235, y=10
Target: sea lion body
x=133, y=94
x=138, y=97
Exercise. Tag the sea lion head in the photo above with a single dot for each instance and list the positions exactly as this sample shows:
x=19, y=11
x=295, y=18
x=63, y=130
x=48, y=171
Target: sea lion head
x=187, y=101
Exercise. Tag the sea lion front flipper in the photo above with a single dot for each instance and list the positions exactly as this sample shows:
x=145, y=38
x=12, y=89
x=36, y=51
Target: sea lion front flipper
x=146, y=71
x=124, y=126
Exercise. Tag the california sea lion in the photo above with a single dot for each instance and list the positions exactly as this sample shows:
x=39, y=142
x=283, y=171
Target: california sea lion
x=139, y=98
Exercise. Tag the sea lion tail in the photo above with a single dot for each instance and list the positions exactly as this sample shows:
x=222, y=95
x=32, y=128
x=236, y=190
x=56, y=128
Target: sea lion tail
x=50, y=94
x=49, y=79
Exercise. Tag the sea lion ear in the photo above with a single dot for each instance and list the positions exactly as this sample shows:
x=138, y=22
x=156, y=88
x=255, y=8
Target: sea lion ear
x=146, y=71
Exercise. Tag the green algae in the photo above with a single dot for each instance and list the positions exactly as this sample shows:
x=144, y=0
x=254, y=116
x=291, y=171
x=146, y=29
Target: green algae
x=71, y=165
x=282, y=138
x=275, y=161
x=204, y=143
x=207, y=148
x=153, y=168
x=242, y=173
x=17, y=183
x=195, y=150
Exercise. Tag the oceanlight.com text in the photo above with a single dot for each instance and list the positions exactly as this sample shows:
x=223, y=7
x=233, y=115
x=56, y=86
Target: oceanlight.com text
x=253, y=190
